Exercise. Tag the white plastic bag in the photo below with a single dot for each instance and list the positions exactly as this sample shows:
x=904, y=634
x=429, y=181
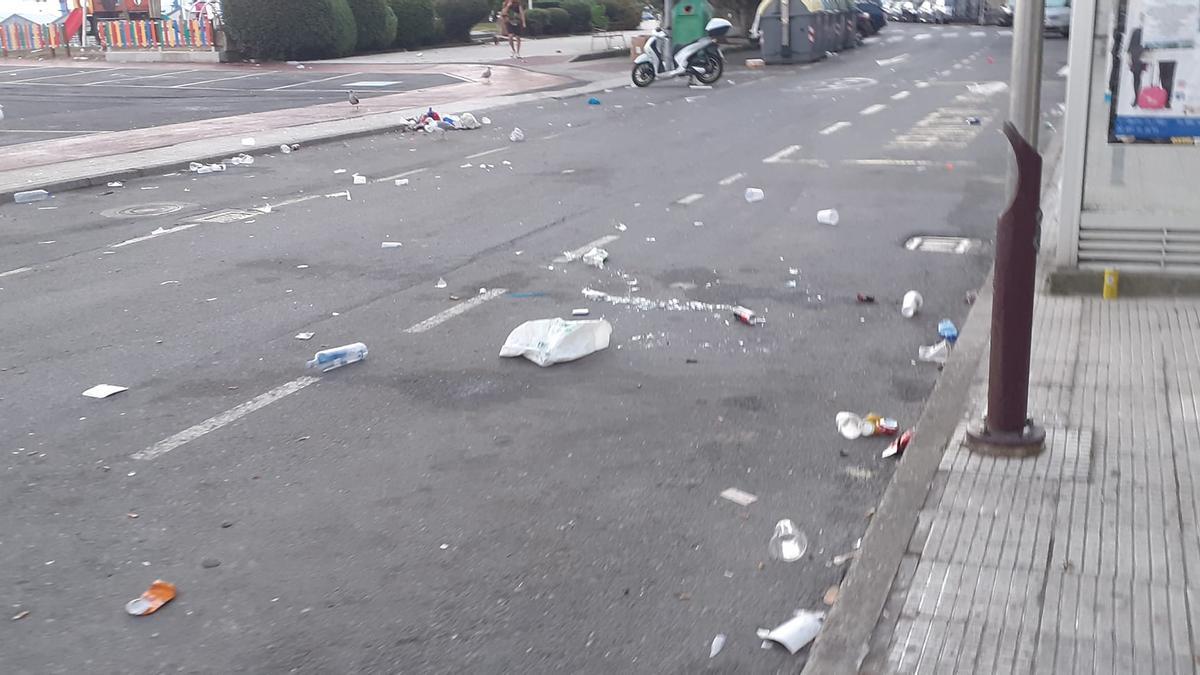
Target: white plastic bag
x=550, y=341
x=467, y=121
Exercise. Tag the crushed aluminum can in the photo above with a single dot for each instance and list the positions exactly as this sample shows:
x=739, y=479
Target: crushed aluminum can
x=747, y=316
x=865, y=299
x=887, y=426
x=898, y=446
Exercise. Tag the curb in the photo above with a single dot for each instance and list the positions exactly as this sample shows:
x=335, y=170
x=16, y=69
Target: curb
x=845, y=638
x=171, y=158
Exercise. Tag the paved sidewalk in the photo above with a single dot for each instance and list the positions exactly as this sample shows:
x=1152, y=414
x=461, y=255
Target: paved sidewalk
x=536, y=52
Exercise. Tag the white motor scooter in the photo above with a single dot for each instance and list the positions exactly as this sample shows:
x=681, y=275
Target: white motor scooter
x=701, y=59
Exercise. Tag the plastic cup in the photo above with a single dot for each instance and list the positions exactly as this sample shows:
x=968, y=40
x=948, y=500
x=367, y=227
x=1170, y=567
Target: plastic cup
x=911, y=304
x=849, y=425
x=827, y=216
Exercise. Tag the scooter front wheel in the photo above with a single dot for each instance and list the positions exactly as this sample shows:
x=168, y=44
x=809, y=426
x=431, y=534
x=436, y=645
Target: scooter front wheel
x=643, y=74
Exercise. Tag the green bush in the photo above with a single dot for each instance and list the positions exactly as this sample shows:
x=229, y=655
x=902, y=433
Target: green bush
x=535, y=21
x=581, y=15
x=414, y=22
x=599, y=18
x=291, y=29
x=622, y=14
x=558, y=22
x=376, y=24
x=460, y=16
x=547, y=4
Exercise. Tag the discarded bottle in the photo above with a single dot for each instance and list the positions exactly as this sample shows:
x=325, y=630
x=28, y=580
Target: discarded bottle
x=328, y=359
x=935, y=353
x=911, y=304
x=948, y=331
x=30, y=196
x=788, y=544
x=746, y=316
x=593, y=101
x=754, y=195
x=827, y=216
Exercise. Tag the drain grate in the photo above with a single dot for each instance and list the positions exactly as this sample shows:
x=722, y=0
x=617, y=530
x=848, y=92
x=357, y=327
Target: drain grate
x=147, y=210
x=939, y=244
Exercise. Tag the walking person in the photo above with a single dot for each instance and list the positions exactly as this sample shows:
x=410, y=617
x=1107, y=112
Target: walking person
x=513, y=15
x=1137, y=63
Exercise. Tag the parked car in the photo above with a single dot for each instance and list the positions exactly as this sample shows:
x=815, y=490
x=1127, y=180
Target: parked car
x=1058, y=17
x=1006, y=14
x=908, y=11
x=878, y=17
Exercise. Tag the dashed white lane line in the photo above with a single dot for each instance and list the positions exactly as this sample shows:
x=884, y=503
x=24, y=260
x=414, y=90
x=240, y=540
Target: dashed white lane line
x=454, y=311
x=922, y=36
x=323, y=79
x=15, y=272
x=944, y=73
x=836, y=126
x=730, y=180
x=578, y=253
x=219, y=79
x=900, y=95
x=921, y=85
x=781, y=155
x=978, y=33
x=155, y=234
x=294, y=200
x=690, y=199
x=404, y=174
x=487, y=152
x=872, y=109
x=229, y=416
x=892, y=61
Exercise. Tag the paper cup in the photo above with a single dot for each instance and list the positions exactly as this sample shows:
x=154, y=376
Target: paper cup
x=827, y=216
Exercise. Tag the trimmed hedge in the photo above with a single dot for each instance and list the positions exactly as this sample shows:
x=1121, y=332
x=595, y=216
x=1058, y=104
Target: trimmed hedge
x=376, y=24
x=581, y=15
x=558, y=21
x=599, y=18
x=414, y=22
x=622, y=14
x=536, y=20
x=546, y=4
x=460, y=16
x=291, y=29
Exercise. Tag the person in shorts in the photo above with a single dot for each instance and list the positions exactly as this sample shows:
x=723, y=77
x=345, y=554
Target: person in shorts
x=512, y=16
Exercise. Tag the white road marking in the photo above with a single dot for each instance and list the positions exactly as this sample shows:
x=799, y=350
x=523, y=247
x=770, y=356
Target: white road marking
x=50, y=77
x=894, y=39
x=404, y=174
x=1064, y=71
x=374, y=83
x=690, y=199
x=837, y=126
x=921, y=85
x=578, y=253
x=301, y=84
x=487, y=152
x=892, y=61
x=17, y=271
x=1004, y=32
x=945, y=73
x=297, y=200
x=900, y=95
x=978, y=33
x=908, y=162
x=77, y=132
x=219, y=79
x=232, y=415
x=139, y=77
x=454, y=311
x=872, y=109
x=730, y=180
x=155, y=234
x=922, y=36
x=781, y=155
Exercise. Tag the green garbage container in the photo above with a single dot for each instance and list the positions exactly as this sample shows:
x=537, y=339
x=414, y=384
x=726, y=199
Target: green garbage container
x=688, y=19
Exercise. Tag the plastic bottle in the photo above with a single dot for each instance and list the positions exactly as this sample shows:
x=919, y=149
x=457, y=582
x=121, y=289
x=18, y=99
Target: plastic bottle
x=30, y=196
x=948, y=331
x=911, y=304
x=788, y=544
x=754, y=195
x=328, y=359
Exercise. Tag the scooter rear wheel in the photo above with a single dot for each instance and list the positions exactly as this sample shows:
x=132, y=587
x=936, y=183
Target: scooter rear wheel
x=714, y=67
x=643, y=74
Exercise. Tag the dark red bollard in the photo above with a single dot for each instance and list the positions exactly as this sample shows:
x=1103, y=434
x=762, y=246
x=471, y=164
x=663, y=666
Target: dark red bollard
x=1007, y=429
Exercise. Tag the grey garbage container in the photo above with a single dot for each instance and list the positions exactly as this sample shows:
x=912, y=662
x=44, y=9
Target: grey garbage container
x=804, y=34
x=850, y=22
x=830, y=38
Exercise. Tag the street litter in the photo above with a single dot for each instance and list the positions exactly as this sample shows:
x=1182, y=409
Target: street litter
x=30, y=196
x=582, y=311
x=104, y=391
x=486, y=120
x=328, y=359
x=787, y=544
x=738, y=497
x=390, y=244
x=843, y=558
x=338, y=171
x=911, y=304
x=550, y=341
x=304, y=336
x=831, y=595
x=827, y=216
x=756, y=63
x=197, y=167
x=899, y=445
x=239, y=160
x=593, y=101
x=288, y=149
x=852, y=426
x=948, y=331
x=754, y=195
x=248, y=141
x=360, y=179
x=621, y=227
x=401, y=182
x=517, y=135
x=160, y=593
x=864, y=298
x=938, y=352
x=700, y=86
x=717, y=644
x=973, y=121
x=116, y=183
x=748, y=317
x=20, y=615
x=441, y=283
x=795, y=633
x=794, y=271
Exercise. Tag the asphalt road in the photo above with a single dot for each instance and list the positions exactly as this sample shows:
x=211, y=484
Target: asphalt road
x=436, y=508
x=45, y=102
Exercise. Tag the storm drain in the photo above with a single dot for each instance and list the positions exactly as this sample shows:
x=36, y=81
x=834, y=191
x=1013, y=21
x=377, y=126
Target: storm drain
x=147, y=210
x=939, y=244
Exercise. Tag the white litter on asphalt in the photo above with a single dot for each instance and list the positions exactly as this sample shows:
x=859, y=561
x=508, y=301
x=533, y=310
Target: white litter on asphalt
x=304, y=336
x=390, y=244
x=718, y=644
x=104, y=391
x=987, y=88
x=738, y=497
x=401, y=182
x=892, y=61
x=360, y=179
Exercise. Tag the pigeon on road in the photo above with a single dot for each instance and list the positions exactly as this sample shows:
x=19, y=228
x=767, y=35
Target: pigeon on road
x=487, y=75
x=353, y=99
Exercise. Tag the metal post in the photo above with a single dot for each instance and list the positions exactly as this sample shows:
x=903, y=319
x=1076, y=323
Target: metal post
x=1025, y=88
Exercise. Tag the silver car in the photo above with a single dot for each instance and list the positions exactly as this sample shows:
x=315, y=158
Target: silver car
x=1058, y=17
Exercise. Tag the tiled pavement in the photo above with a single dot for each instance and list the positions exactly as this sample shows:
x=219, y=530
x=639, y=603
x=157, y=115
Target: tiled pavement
x=1085, y=559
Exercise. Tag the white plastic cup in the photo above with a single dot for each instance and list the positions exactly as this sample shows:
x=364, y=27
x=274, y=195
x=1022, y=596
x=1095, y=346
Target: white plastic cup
x=754, y=195
x=911, y=304
x=827, y=216
x=849, y=425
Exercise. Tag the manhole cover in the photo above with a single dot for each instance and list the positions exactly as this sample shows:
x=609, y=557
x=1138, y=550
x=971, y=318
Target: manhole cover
x=938, y=244
x=147, y=210
x=839, y=84
x=223, y=216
